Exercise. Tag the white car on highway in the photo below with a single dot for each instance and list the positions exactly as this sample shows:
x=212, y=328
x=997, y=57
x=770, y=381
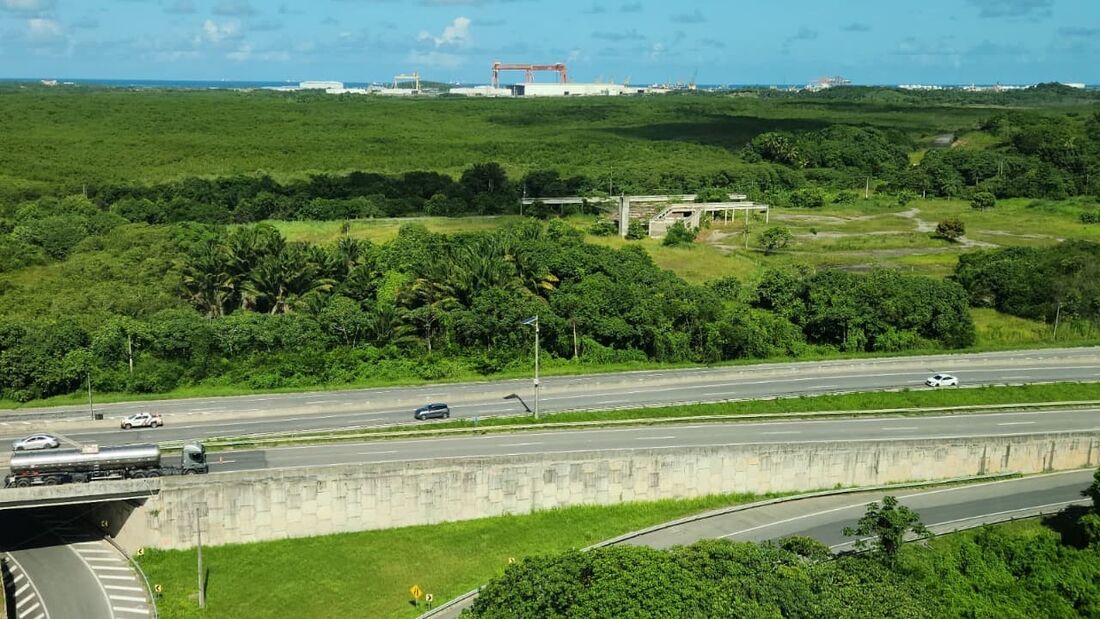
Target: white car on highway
x=36, y=441
x=942, y=380
x=142, y=420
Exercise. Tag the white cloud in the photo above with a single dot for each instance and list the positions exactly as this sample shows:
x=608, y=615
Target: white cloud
x=216, y=34
x=455, y=35
x=42, y=30
x=27, y=6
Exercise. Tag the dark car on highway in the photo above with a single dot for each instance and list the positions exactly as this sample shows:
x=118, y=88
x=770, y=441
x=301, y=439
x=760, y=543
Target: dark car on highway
x=433, y=411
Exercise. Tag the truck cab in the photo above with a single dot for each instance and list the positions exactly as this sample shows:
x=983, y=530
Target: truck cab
x=193, y=458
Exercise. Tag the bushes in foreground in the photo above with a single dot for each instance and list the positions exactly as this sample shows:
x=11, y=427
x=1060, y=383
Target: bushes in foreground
x=1017, y=570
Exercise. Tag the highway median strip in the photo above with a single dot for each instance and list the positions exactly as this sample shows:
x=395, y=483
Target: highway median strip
x=900, y=404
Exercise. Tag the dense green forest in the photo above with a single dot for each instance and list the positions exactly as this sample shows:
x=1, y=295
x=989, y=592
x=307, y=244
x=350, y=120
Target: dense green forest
x=192, y=303
x=1039, y=143
x=1029, y=569
x=129, y=250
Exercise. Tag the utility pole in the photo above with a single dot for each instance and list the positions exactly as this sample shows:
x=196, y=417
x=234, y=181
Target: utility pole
x=1057, y=315
x=867, y=189
x=202, y=583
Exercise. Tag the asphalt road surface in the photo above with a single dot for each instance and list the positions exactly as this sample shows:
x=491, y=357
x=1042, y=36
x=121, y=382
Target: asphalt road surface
x=274, y=413
x=62, y=570
x=666, y=437
x=824, y=518
x=942, y=509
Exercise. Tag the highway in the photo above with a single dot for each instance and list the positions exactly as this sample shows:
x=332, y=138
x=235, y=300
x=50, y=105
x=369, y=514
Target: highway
x=824, y=517
x=942, y=509
x=63, y=570
x=666, y=437
x=272, y=413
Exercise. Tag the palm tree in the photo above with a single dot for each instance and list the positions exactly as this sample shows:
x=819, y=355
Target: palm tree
x=283, y=282
x=207, y=280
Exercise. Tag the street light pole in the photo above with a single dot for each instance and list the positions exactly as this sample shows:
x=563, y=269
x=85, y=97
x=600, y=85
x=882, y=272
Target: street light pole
x=536, y=367
x=534, y=320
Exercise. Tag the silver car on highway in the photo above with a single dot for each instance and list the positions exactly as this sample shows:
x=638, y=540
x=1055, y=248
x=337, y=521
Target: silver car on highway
x=36, y=441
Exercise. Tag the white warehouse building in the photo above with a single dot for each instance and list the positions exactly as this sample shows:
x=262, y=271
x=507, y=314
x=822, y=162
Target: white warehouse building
x=533, y=89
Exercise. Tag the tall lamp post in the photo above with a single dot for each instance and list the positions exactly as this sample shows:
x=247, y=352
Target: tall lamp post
x=534, y=320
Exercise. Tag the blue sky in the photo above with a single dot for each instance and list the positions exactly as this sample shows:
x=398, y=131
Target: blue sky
x=732, y=41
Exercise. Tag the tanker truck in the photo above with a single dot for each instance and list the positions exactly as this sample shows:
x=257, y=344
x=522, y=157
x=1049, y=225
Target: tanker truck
x=92, y=463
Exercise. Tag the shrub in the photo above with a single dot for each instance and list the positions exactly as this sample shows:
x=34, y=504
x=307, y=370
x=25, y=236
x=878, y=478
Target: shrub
x=845, y=197
x=1090, y=217
x=983, y=200
x=807, y=198
x=637, y=231
x=775, y=238
x=951, y=229
x=603, y=227
x=679, y=234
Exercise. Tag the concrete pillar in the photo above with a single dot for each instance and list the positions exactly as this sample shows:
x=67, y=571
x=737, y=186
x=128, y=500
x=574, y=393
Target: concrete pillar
x=624, y=215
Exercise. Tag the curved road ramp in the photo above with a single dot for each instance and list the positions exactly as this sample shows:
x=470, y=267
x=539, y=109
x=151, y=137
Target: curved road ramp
x=57, y=566
x=824, y=515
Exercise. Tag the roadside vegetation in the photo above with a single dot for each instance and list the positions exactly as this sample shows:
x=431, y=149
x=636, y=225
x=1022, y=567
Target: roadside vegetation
x=369, y=574
x=1047, y=568
x=242, y=263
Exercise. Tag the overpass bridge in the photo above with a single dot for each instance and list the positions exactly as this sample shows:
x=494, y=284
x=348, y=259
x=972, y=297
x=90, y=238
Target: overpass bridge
x=78, y=494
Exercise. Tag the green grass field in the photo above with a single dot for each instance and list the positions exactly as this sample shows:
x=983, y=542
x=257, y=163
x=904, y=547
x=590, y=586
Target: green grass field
x=369, y=574
x=860, y=236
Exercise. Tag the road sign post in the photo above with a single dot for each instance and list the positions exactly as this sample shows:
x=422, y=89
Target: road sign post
x=416, y=592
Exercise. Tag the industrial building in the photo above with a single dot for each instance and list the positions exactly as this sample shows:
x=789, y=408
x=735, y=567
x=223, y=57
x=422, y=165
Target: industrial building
x=574, y=89
x=561, y=88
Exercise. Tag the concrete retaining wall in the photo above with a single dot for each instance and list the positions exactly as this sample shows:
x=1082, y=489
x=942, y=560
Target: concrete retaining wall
x=255, y=506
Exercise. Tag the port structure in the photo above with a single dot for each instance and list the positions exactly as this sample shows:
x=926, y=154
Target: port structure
x=407, y=77
x=529, y=71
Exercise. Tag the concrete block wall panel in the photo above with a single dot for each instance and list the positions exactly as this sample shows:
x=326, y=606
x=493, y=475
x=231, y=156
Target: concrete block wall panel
x=264, y=505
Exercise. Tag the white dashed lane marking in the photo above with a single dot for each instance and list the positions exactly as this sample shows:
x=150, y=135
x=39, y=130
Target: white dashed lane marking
x=20, y=590
x=116, y=578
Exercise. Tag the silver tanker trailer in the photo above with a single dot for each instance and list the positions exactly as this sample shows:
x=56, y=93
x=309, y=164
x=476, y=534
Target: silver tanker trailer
x=91, y=463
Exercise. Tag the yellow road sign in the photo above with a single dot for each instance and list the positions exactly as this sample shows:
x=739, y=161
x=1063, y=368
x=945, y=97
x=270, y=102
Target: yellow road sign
x=415, y=591
x=428, y=597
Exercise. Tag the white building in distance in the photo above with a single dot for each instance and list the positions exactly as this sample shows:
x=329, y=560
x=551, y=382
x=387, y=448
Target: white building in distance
x=532, y=89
